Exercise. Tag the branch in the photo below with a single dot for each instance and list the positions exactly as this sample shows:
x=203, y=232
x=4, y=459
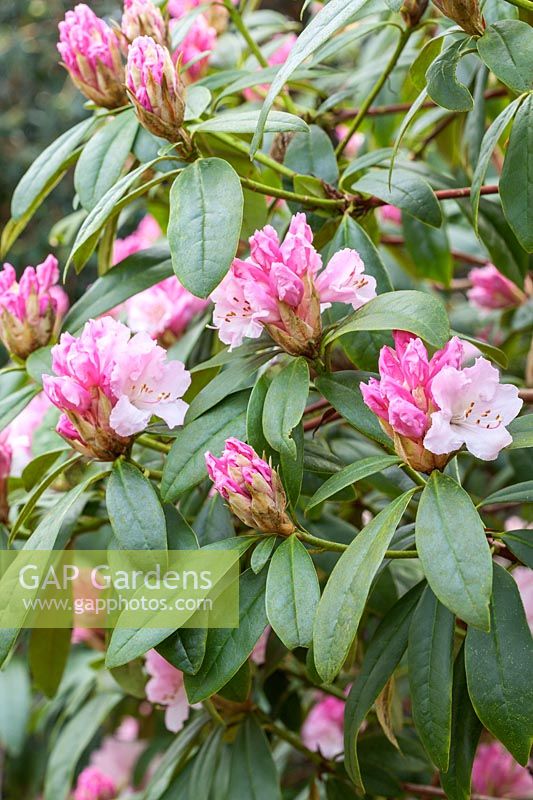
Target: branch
x=458, y=255
x=434, y=791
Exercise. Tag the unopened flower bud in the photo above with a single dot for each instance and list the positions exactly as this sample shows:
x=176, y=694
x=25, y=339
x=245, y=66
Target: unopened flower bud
x=465, y=13
x=412, y=11
x=142, y=18
x=252, y=489
x=91, y=52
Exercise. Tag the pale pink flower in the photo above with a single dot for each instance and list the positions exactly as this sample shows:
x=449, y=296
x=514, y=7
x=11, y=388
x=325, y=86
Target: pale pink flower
x=473, y=409
x=164, y=311
x=344, y=281
x=524, y=579
x=251, y=488
x=31, y=308
x=194, y=50
x=166, y=688
x=147, y=234
x=179, y=8
x=323, y=729
x=91, y=52
x=94, y=785
x=215, y=14
x=6, y=455
x=355, y=142
x=496, y=773
x=277, y=57
x=143, y=18
x=118, y=754
x=20, y=432
x=258, y=654
x=109, y=384
x=492, y=290
x=390, y=214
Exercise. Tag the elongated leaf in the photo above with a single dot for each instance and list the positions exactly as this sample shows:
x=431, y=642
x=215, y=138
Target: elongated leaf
x=453, y=549
x=349, y=475
x=228, y=648
x=254, y=416
x=416, y=312
x=15, y=706
x=103, y=158
x=205, y=765
x=11, y=406
x=381, y=659
x=519, y=493
x=350, y=234
x=285, y=404
x=506, y=47
x=516, y=186
x=206, y=209
x=443, y=86
x=185, y=464
x=246, y=122
x=72, y=741
x=429, y=249
x=521, y=429
x=407, y=191
x=312, y=153
x=346, y=592
x=330, y=19
x=173, y=759
x=135, y=513
x=292, y=594
x=521, y=544
x=48, y=654
x=430, y=657
x=342, y=390
x=262, y=553
x=253, y=774
x=185, y=649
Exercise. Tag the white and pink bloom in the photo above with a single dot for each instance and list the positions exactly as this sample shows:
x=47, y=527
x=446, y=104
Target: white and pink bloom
x=491, y=290
x=109, y=384
x=143, y=18
x=164, y=311
x=277, y=58
x=432, y=407
x=194, y=51
x=280, y=288
x=166, y=688
x=94, y=785
x=496, y=773
x=323, y=729
x=91, y=52
x=251, y=488
x=147, y=234
x=156, y=89
x=30, y=309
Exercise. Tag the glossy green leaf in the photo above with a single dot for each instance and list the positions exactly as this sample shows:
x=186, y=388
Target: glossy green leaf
x=521, y=429
x=185, y=649
x=206, y=209
x=519, y=493
x=254, y=416
x=48, y=653
x=442, y=84
x=253, y=773
x=407, y=191
x=13, y=404
x=351, y=234
x=205, y=765
x=312, y=153
x=430, y=659
x=521, y=544
x=499, y=666
x=262, y=553
x=506, y=47
x=135, y=513
x=15, y=706
x=246, y=122
x=429, y=249
x=453, y=549
x=516, y=186
x=285, y=404
x=349, y=475
x=173, y=759
x=346, y=592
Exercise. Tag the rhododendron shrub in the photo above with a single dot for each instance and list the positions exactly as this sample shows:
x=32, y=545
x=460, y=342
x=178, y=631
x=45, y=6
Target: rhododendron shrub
x=286, y=326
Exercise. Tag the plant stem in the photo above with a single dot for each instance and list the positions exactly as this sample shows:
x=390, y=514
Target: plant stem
x=414, y=475
x=153, y=444
x=338, y=547
x=267, y=161
x=525, y=4
x=305, y=200
x=213, y=713
x=361, y=114
x=434, y=791
x=289, y=737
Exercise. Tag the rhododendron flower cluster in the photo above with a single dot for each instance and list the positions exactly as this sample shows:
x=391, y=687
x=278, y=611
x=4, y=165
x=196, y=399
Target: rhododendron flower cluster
x=195, y=48
x=323, y=729
x=143, y=18
x=214, y=12
x=166, y=688
x=164, y=311
x=432, y=407
x=147, y=233
x=21, y=431
x=91, y=52
x=251, y=488
x=280, y=288
x=491, y=290
x=109, y=384
x=31, y=308
x=496, y=773
x=94, y=785
x=6, y=456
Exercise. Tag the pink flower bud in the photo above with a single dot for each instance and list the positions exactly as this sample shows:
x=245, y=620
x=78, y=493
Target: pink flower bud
x=251, y=488
x=323, y=729
x=142, y=18
x=31, y=309
x=492, y=290
x=109, y=384
x=91, y=52
x=216, y=15
x=155, y=88
x=94, y=785
x=390, y=214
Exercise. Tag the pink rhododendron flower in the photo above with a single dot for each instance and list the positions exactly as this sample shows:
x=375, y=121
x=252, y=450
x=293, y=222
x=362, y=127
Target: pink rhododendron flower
x=473, y=409
x=118, y=754
x=323, y=729
x=279, y=287
x=143, y=18
x=91, y=52
x=354, y=144
x=278, y=57
x=166, y=688
x=6, y=455
x=155, y=87
x=30, y=309
x=94, y=785
x=524, y=579
x=109, y=384
x=496, y=773
x=251, y=488
x=215, y=14
x=147, y=233
x=258, y=654
x=20, y=432
x=492, y=290
x=164, y=311
x=194, y=50
x=390, y=214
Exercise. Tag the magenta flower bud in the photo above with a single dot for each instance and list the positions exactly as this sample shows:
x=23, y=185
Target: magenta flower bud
x=491, y=290
x=251, y=487
x=91, y=53
x=94, y=785
x=142, y=18
x=30, y=309
x=155, y=87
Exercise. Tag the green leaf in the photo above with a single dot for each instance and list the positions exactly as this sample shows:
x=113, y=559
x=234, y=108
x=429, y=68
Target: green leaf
x=285, y=404
x=135, y=274
x=505, y=251
x=228, y=648
x=453, y=549
x=173, y=759
x=185, y=464
x=292, y=466
x=342, y=390
x=254, y=416
x=262, y=553
x=346, y=592
x=13, y=404
x=350, y=234
x=246, y=122
x=519, y=493
x=407, y=191
x=253, y=774
x=48, y=653
x=185, y=649
x=103, y=158
x=131, y=678
x=424, y=59
x=292, y=594
x=521, y=429
x=466, y=729
x=443, y=86
x=135, y=513
x=382, y=656
x=429, y=249
x=430, y=657
x=521, y=544
x=39, y=363
x=499, y=666
x=205, y=765
x=506, y=47
x=206, y=211
x=350, y=475
x=330, y=19
x=15, y=706
x=72, y=741
x=39, y=466
x=416, y=312
x=516, y=186
x=312, y=153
